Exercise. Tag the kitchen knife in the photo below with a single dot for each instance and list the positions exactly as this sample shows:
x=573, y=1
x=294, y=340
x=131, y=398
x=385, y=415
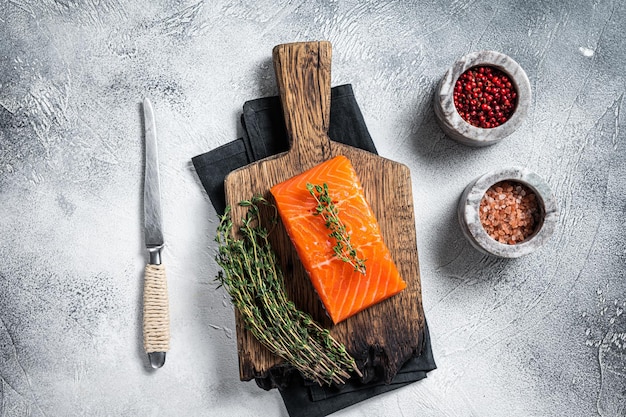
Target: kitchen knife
x=156, y=320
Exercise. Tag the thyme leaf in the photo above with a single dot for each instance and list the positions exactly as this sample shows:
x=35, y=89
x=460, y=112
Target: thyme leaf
x=255, y=283
x=326, y=208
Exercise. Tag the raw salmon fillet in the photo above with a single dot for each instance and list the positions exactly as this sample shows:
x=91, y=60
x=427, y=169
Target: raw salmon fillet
x=343, y=291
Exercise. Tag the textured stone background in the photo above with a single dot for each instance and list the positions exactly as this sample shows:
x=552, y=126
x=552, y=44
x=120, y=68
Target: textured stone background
x=542, y=335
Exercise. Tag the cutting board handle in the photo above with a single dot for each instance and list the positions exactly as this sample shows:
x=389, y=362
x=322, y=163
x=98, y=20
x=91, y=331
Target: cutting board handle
x=303, y=78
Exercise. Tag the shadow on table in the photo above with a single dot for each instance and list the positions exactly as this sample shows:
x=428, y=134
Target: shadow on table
x=455, y=256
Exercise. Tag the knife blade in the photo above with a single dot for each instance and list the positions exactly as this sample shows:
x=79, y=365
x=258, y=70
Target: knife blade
x=155, y=297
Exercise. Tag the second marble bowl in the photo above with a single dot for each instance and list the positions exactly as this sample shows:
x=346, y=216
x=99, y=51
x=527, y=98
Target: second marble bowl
x=449, y=118
x=468, y=211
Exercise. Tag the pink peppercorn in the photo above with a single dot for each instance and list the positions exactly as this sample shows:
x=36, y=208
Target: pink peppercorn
x=485, y=97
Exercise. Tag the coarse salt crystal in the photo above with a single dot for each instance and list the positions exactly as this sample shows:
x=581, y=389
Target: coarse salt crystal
x=512, y=219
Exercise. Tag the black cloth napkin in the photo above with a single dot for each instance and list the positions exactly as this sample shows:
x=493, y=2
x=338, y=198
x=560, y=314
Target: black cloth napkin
x=265, y=135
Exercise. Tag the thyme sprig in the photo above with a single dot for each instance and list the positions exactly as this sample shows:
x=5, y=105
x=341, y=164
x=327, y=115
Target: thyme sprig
x=251, y=275
x=330, y=213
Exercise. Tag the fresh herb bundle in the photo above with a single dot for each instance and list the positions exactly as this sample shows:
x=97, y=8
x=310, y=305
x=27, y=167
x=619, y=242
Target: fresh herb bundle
x=330, y=213
x=255, y=283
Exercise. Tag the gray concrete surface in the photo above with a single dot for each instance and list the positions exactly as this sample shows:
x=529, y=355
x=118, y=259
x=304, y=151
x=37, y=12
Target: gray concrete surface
x=543, y=335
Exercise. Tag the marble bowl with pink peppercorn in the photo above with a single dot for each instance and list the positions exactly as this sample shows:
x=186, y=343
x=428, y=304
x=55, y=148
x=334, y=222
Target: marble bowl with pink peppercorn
x=463, y=124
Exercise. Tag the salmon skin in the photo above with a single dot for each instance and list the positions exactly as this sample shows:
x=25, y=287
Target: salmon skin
x=343, y=291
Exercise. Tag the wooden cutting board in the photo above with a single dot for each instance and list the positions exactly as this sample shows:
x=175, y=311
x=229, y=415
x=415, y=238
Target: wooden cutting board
x=384, y=336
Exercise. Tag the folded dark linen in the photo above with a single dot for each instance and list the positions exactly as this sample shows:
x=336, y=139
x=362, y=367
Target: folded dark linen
x=321, y=401
x=265, y=135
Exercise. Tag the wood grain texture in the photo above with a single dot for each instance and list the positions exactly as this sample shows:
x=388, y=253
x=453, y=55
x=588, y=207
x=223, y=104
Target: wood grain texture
x=384, y=336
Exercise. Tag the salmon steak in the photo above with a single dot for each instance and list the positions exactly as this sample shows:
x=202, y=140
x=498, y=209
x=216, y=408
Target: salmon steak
x=343, y=290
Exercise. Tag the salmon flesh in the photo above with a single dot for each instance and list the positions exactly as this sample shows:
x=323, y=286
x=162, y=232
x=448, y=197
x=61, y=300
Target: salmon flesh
x=343, y=290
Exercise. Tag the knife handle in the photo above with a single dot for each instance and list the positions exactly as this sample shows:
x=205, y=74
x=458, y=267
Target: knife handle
x=156, y=316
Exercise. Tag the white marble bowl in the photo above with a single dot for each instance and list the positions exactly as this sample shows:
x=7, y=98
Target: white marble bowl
x=454, y=125
x=469, y=213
